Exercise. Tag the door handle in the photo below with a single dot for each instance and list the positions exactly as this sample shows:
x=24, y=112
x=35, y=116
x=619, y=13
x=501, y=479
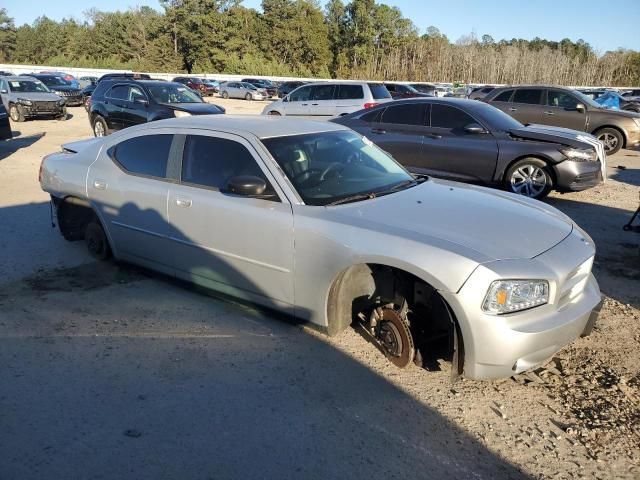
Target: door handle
x=435, y=136
x=304, y=104
x=100, y=184
x=183, y=202
x=314, y=104
x=513, y=109
x=379, y=131
x=549, y=113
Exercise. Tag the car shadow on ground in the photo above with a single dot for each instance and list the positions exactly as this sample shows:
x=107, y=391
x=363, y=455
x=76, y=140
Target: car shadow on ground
x=111, y=372
x=11, y=146
x=627, y=175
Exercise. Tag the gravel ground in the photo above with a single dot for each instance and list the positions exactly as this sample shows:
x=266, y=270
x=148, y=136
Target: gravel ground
x=111, y=372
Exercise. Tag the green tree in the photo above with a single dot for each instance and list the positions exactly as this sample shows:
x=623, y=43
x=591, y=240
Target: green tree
x=7, y=36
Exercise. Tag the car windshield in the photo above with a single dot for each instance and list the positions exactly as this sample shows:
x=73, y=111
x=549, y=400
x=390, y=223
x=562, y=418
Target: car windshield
x=54, y=81
x=248, y=86
x=498, y=120
x=173, y=94
x=331, y=167
x=26, y=86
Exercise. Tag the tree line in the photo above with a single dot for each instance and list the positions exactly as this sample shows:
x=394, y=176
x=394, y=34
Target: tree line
x=359, y=39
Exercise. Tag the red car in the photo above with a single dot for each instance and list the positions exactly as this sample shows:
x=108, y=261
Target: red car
x=195, y=83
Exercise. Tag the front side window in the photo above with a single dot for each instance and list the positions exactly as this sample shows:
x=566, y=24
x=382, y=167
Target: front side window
x=352, y=92
x=300, y=95
x=135, y=94
x=327, y=167
x=145, y=155
x=211, y=161
x=322, y=92
x=119, y=92
x=560, y=99
x=451, y=118
x=504, y=96
x=407, y=114
x=172, y=93
x=528, y=96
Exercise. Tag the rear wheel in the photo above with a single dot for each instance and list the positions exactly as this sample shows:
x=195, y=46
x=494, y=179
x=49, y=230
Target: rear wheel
x=99, y=127
x=529, y=177
x=611, y=138
x=96, y=241
x=274, y=113
x=15, y=112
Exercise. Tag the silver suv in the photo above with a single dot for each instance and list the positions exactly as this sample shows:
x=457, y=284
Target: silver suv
x=27, y=97
x=565, y=107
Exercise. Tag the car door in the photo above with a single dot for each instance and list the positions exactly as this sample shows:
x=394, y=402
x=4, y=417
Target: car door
x=562, y=110
x=502, y=101
x=400, y=130
x=349, y=98
x=238, y=245
x=129, y=185
x=298, y=101
x=135, y=107
x=114, y=102
x=322, y=100
x=451, y=151
x=527, y=105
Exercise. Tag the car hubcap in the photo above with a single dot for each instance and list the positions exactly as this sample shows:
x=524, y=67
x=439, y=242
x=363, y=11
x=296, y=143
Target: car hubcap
x=99, y=129
x=14, y=113
x=610, y=141
x=528, y=180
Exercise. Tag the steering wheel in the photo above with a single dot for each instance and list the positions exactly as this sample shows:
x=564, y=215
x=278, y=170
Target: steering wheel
x=332, y=166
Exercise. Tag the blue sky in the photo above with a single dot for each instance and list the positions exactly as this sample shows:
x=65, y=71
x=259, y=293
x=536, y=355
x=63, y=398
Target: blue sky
x=550, y=19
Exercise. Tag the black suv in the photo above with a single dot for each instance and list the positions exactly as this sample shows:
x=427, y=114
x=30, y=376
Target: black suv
x=58, y=85
x=122, y=102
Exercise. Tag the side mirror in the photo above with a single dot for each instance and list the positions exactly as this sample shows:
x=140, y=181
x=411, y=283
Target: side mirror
x=246, y=186
x=580, y=108
x=4, y=91
x=286, y=98
x=474, y=128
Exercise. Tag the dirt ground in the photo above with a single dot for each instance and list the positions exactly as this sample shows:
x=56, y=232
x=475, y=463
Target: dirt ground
x=107, y=371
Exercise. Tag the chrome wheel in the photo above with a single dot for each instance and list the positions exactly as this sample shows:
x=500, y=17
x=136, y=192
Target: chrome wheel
x=609, y=140
x=98, y=129
x=14, y=113
x=529, y=180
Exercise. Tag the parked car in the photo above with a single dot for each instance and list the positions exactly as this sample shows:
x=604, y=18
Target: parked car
x=329, y=99
x=86, y=81
x=263, y=84
x=441, y=90
x=478, y=93
x=399, y=91
x=132, y=76
x=614, y=100
x=427, y=88
x=285, y=88
x=242, y=90
x=27, y=97
x=58, y=85
x=86, y=96
x=195, y=83
x=212, y=85
x=4, y=73
x=633, y=94
x=506, y=280
x=120, y=103
x=473, y=142
x=565, y=107
x=67, y=77
x=5, y=124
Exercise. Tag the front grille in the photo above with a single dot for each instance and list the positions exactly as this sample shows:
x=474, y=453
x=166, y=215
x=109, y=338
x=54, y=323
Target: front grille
x=574, y=284
x=45, y=106
x=71, y=93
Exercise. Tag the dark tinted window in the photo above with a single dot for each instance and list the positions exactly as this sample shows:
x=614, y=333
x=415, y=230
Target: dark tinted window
x=503, y=97
x=119, y=92
x=558, y=98
x=322, y=92
x=379, y=91
x=350, y=92
x=410, y=114
x=301, y=94
x=211, y=161
x=371, y=116
x=146, y=155
x=444, y=116
x=529, y=96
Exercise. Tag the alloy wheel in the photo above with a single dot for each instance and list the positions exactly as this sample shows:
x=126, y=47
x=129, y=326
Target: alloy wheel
x=98, y=129
x=14, y=113
x=609, y=140
x=528, y=180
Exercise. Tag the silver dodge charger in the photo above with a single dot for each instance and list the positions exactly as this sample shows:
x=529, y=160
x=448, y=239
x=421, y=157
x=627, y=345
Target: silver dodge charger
x=312, y=219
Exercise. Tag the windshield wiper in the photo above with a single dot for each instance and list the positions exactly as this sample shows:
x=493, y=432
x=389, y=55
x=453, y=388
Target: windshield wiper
x=352, y=198
x=402, y=186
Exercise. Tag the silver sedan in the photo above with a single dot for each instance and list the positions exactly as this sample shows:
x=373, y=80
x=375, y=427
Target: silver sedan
x=242, y=90
x=314, y=220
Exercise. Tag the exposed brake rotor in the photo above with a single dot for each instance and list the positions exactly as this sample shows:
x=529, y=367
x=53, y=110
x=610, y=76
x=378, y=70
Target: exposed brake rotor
x=394, y=336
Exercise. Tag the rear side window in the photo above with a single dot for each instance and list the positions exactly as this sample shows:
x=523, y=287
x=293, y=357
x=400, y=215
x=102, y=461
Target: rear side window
x=409, y=114
x=119, y=92
x=528, y=96
x=146, y=155
x=322, y=92
x=211, y=161
x=504, y=96
x=444, y=116
x=379, y=91
x=371, y=116
x=350, y=92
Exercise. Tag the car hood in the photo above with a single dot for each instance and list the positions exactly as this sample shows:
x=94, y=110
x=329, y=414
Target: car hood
x=37, y=96
x=64, y=88
x=196, y=108
x=497, y=225
x=546, y=133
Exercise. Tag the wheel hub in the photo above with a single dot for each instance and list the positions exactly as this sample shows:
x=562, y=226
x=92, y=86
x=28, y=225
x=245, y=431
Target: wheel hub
x=394, y=336
x=529, y=180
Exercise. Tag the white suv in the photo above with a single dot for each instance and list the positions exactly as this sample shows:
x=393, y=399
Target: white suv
x=329, y=99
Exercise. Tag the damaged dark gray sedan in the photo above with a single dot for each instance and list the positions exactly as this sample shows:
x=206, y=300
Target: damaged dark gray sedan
x=470, y=141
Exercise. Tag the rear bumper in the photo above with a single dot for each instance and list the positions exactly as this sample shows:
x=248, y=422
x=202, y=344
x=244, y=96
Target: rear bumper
x=575, y=176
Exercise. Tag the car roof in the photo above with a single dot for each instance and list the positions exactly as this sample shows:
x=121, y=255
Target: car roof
x=258, y=125
x=19, y=77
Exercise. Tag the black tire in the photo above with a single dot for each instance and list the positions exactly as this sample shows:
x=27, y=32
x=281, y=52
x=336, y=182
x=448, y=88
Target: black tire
x=63, y=116
x=274, y=113
x=15, y=113
x=529, y=177
x=612, y=139
x=225, y=95
x=96, y=241
x=100, y=128
x=248, y=97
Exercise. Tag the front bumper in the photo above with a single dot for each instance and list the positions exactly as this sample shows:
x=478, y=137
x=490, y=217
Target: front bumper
x=576, y=176
x=498, y=346
x=32, y=111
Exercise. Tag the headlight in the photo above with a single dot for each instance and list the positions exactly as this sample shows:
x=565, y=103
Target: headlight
x=181, y=113
x=580, y=155
x=506, y=296
x=61, y=102
x=24, y=101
